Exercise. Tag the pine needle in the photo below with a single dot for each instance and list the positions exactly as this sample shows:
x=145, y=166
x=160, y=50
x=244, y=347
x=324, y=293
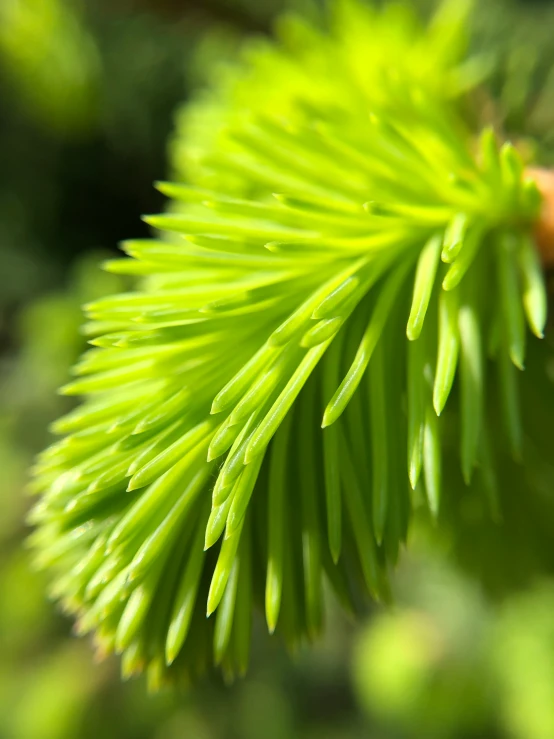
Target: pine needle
x=196, y=475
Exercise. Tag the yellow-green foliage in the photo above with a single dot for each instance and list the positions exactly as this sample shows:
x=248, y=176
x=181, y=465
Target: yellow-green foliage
x=341, y=250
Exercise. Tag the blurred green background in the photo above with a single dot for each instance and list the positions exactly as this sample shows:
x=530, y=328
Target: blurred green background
x=88, y=95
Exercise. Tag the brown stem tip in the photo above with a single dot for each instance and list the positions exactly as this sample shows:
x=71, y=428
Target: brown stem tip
x=544, y=229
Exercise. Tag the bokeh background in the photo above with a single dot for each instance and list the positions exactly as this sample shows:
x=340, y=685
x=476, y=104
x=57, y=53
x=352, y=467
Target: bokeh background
x=89, y=92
